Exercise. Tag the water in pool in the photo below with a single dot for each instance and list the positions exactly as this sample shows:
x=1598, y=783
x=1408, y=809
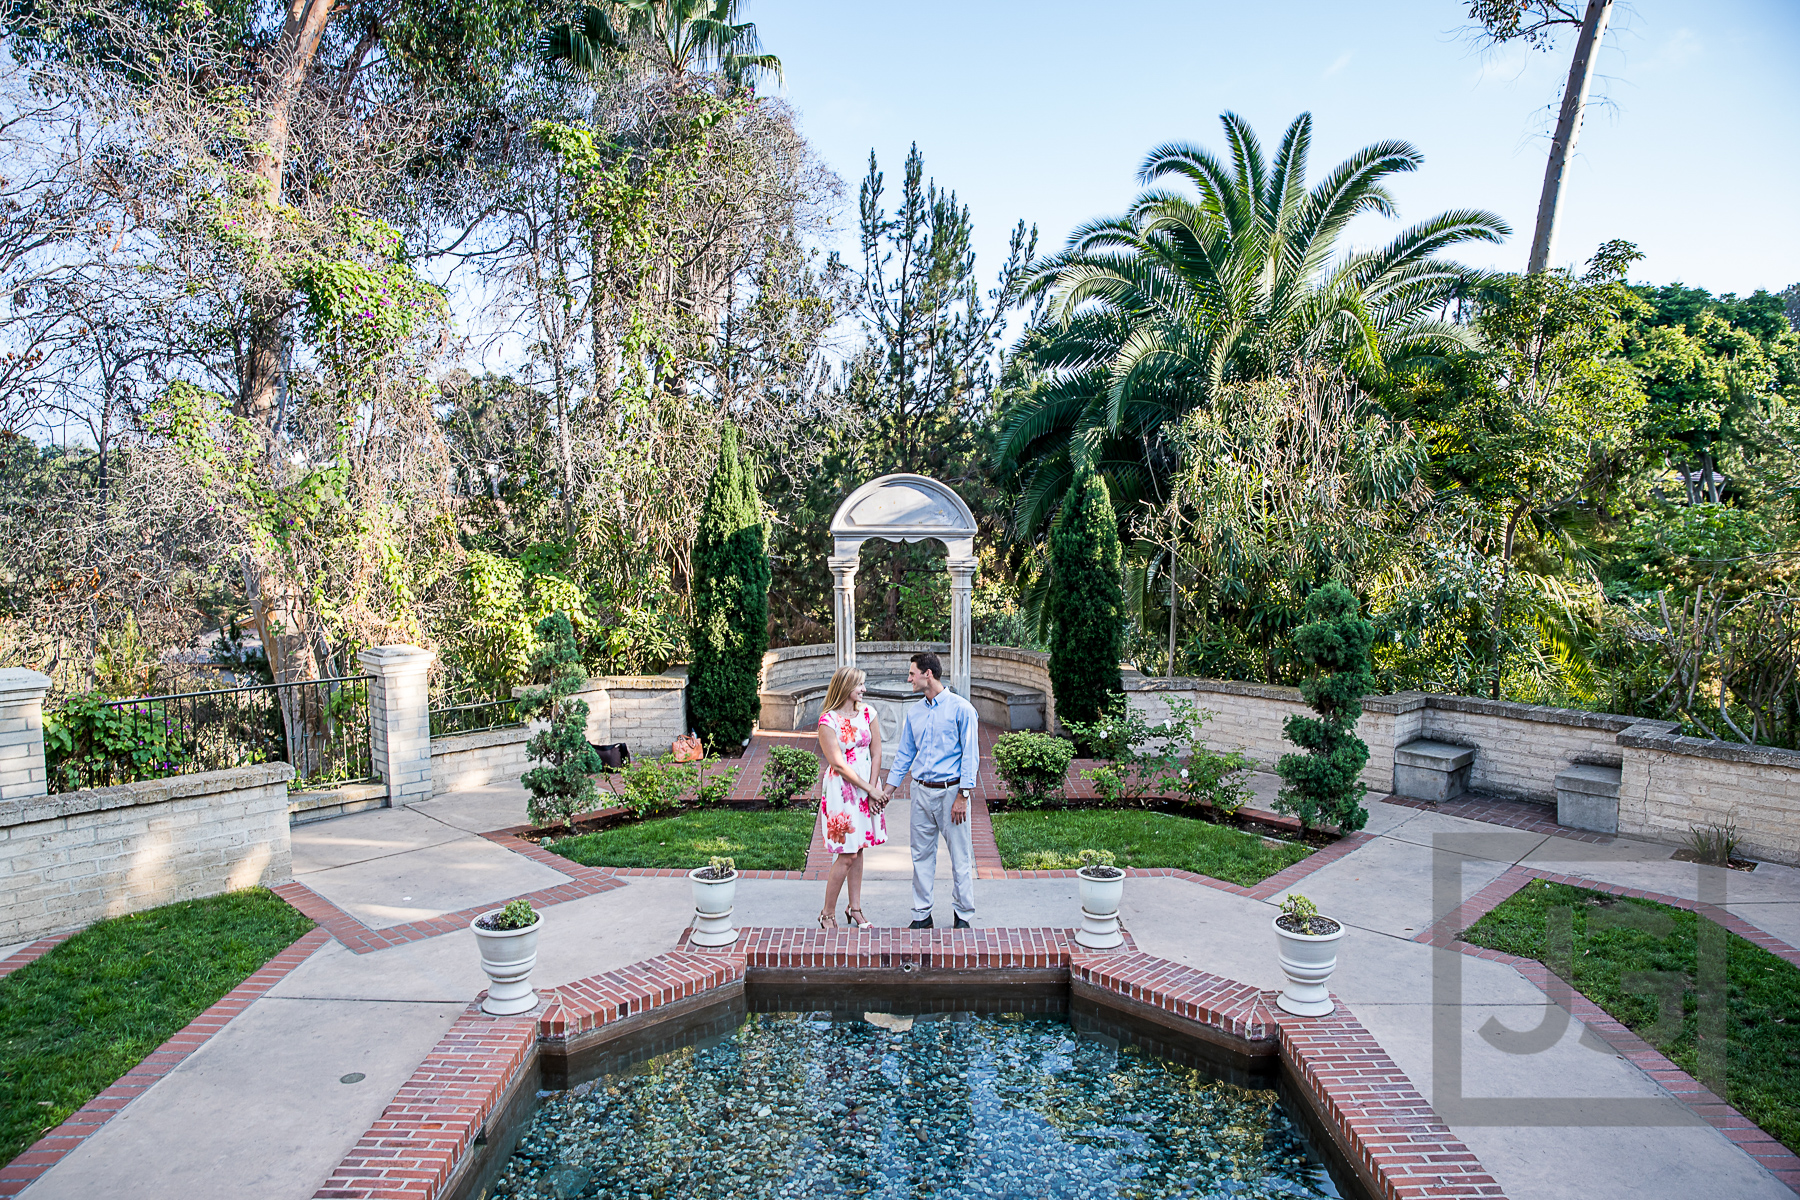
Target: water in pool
x=955, y=1106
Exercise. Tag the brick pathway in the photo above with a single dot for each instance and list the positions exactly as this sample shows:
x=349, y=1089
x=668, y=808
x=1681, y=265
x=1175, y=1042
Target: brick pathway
x=1513, y=814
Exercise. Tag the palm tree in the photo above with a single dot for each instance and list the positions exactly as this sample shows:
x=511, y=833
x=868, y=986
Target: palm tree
x=1147, y=314
x=685, y=35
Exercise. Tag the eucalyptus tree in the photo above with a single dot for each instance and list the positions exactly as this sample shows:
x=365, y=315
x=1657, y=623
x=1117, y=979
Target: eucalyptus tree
x=1150, y=313
x=1535, y=22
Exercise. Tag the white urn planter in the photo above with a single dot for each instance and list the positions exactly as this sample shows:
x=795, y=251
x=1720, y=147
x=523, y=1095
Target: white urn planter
x=1101, y=895
x=508, y=956
x=713, y=902
x=1307, y=959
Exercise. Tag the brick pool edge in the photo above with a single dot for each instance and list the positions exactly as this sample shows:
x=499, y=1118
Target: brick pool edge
x=484, y=1070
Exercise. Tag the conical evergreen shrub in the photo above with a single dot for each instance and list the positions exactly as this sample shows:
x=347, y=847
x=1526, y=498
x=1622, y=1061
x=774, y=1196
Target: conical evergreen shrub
x=1087, y=602
x=731, y=602
x=1324, y=786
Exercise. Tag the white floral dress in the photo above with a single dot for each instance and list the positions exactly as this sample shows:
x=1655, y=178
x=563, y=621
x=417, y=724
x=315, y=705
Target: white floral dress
x=851, y=822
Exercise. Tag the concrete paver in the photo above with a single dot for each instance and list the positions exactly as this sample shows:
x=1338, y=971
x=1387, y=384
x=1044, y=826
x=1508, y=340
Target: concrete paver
x=258, y=1110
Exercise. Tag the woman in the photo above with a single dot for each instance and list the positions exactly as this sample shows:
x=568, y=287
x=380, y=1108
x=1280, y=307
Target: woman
x=850, y=743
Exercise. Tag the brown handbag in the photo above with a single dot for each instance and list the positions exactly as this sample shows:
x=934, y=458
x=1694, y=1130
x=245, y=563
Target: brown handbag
x=687, y=748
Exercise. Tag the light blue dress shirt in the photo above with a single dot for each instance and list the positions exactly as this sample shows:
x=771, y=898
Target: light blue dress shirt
x=939, y=741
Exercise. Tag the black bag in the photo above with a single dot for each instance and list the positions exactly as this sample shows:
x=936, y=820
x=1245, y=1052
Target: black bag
x=613, y=757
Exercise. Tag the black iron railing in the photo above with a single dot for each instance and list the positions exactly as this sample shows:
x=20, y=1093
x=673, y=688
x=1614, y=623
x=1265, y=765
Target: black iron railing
x=318, y=726
x=472, y=710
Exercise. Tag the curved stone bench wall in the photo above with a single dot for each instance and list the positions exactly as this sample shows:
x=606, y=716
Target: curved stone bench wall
x=1011, y=688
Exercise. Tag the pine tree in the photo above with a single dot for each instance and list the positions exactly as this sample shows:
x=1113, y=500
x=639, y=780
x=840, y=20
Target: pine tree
x=1087, y=600
x=731, y=602
x=562, y=787
x=1324, y=785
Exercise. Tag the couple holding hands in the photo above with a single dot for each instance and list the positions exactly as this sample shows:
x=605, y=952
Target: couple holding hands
x=939, y=746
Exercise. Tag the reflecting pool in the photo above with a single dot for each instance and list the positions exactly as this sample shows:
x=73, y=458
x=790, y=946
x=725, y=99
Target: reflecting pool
x=954, y=1105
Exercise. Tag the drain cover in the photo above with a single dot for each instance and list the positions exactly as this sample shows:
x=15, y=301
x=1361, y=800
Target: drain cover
x=352, y=1077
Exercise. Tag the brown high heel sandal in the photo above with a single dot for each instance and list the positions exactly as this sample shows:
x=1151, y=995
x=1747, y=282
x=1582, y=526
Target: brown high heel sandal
x=855, y=917
x=827, y=921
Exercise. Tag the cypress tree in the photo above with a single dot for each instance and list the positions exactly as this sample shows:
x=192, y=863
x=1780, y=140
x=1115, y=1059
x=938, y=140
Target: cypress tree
x=1087, y=602
x=731, y=602
x=1324, y=785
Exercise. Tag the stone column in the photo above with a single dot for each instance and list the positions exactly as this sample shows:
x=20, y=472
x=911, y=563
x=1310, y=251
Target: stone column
x=400, y=720
x=962, y=587
x=22, y=734
x=843, y=602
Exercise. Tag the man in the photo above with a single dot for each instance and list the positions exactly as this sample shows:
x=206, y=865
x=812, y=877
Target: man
x=938, y=743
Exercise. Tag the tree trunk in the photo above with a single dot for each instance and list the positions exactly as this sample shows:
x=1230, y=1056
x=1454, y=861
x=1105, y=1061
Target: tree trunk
x=1506, y=548
x=1568, y=129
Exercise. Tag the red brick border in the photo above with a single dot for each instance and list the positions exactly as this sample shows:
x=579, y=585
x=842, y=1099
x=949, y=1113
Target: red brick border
x=86, y=1121
x=33, y=952
x=1497, y=810
x=1394, y=1138
x=1781, y=1162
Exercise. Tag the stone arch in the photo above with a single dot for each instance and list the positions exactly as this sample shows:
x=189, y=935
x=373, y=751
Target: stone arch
x=905, y=508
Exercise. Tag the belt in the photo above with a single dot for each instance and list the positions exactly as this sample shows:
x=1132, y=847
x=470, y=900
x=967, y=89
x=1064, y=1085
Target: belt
x=941, y=783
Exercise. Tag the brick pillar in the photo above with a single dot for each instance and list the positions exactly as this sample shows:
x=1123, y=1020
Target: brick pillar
x=22, y=733
x=400, y=720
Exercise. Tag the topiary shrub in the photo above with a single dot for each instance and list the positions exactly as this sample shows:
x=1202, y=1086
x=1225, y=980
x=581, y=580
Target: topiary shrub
x=561, y=787
x=1324, y=786
x=1087, y=603
x=1033, y=766
x=731, y=602
x=789, y=771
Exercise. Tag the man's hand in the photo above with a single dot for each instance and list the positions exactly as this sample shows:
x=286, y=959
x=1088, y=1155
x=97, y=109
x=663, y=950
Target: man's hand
x=959, y=809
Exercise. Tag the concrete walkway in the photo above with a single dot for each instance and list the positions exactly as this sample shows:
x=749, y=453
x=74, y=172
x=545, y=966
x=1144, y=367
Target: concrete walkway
x=268, y=1106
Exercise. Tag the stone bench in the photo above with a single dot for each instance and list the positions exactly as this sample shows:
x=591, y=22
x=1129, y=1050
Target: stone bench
x=1587, y=797
x=1434, y=771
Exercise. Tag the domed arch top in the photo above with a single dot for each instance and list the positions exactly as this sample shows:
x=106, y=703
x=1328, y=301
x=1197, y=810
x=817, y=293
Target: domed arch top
x=905, y=508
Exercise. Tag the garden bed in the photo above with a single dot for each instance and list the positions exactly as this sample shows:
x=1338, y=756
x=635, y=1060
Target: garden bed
x=1762, y=1011
x=75, y=1020
x=1037, y=841
x=763, y=840
x=1250, y=820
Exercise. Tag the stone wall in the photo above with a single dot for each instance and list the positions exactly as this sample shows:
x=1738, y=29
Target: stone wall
x=794, y=678
x=74, y=858
x=646, y=712
x=472, y=760
x=1671, y=784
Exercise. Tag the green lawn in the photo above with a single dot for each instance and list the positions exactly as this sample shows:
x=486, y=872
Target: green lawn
x=757, y=841
x=87, y=1012
x=1050, y=841
x=1763, y=1011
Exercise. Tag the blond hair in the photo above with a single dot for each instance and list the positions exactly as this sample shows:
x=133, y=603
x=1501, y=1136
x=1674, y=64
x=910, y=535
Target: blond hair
x=843, y=682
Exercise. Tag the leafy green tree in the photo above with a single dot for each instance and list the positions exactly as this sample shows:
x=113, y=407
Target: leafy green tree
x=731, y=601
x=1324, y=785
x=1150, y=313
x=1087, y=597
x=562, y=787
x=1534, y=422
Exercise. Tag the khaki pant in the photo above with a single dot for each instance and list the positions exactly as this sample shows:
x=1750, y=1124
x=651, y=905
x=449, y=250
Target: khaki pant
x=931, y=817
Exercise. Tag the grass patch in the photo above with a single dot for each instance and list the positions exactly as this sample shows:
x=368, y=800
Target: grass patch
x=1049, y=841
x=1762, y=1070
x=90, y=1010
x=758, y=841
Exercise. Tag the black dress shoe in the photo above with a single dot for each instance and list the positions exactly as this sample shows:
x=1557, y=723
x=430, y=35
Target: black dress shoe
x=925, y=924
x=962, y=924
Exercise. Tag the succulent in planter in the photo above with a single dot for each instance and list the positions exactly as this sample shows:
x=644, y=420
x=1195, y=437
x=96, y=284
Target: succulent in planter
x=516, y=915
x=1308, y=949
x=1300, y=915
x=507, y=940
x=717, y=868
x=1099, y=864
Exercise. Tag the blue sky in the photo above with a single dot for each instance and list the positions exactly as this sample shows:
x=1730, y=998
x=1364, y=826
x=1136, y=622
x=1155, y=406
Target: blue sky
x=1044, y=111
